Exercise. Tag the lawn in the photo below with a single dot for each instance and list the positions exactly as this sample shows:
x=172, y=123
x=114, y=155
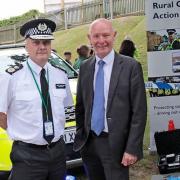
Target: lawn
x=134, y=27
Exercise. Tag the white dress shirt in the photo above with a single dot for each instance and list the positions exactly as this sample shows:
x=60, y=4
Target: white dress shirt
x=109, y=60
x=21, y=101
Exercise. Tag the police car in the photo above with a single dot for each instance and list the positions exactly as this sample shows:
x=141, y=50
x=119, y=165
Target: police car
x=11, y=55
x=161, y=88
x=176, y=67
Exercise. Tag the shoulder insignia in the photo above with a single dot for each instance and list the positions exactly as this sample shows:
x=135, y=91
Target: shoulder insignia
x=14, y=68
x=57, y=66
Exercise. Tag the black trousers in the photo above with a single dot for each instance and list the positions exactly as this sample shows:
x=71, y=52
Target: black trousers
x=38, y=163
x=98, y=161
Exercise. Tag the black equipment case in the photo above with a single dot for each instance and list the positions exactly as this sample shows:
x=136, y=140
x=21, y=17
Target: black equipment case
x=168, y=149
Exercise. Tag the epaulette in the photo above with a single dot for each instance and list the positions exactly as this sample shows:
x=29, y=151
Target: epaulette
x=14, y=68
x=57, y=66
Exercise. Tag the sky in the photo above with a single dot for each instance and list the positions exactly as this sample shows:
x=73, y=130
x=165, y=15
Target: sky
x=10, y=8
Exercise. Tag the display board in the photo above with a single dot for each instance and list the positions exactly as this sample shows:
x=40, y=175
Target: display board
x=163, y=46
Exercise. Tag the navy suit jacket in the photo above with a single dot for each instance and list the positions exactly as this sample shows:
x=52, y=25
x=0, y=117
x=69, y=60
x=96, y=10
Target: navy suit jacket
x=126, y=106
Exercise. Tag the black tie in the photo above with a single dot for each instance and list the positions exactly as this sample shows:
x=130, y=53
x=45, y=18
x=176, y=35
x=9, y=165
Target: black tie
x=48, y=127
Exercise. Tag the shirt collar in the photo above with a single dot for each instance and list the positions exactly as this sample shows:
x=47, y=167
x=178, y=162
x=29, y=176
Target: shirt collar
x=107, y=59
x=35, y=67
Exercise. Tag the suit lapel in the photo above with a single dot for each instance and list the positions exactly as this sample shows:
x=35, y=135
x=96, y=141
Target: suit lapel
x=117, y=67
x=91, y=79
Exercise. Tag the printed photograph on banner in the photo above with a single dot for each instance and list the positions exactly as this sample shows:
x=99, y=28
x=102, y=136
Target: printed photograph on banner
x=161, y=112
x=163, y=86
x=176, y=62
x=163, y=40
x=163, y=63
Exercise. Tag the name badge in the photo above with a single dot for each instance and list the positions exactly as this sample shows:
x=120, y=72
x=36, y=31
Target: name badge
x=48, y=128
x=60, y=86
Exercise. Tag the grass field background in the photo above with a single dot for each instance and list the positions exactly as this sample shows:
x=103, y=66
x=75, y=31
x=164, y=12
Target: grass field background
x=132, y=26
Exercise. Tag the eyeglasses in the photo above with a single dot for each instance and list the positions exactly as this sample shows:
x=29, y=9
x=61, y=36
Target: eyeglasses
x=38, y=42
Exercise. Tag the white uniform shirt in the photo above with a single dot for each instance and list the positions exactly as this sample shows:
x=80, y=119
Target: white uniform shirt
x=109, y=60
x=21, y=101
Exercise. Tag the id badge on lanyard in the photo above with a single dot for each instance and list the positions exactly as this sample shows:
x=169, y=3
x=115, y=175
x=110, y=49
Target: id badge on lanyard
x=48, y=126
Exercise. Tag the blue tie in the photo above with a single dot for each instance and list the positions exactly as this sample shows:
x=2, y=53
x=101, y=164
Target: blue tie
x=98, y=112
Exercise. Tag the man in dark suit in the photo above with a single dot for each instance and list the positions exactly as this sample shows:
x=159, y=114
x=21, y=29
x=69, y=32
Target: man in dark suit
x=110, y=111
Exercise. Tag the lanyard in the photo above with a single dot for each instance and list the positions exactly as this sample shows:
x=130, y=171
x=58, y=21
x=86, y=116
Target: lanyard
x=38, y=88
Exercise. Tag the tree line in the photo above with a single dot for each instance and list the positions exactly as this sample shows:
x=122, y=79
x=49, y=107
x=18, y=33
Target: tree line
x=14, y=20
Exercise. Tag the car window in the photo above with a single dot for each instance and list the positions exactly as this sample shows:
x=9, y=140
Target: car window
x=58, y=61
x=12, y=56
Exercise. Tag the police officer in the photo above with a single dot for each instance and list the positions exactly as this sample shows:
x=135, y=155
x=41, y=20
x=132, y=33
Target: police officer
x=172, y=42
x=33, y=98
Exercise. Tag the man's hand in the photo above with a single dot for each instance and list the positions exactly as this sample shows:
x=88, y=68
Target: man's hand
x=128, y=159
x=3, y=120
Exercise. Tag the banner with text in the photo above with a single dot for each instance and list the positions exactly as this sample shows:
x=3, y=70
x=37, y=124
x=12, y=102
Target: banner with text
x=163, y=46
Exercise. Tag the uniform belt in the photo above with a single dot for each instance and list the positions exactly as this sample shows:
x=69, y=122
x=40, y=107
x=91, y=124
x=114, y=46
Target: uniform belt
x=94, y=135
x=46, y=146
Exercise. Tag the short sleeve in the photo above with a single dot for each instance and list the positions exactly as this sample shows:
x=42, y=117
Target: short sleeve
x=68, y=101
x=5, y=91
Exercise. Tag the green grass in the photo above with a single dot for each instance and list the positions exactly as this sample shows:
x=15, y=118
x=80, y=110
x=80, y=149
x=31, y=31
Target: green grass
x=134, y=27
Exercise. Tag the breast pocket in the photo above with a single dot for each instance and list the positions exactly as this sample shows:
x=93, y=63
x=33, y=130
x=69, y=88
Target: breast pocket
x=27, y=100
x=58, y=96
